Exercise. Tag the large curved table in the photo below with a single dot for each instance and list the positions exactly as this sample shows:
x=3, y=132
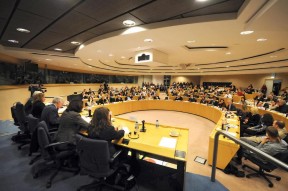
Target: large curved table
x=149, y=142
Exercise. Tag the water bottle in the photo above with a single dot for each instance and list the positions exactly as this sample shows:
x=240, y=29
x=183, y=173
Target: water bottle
x=157, y=123
x=136, y=126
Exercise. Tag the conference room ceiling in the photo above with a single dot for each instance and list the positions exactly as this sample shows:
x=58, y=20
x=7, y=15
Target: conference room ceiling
x=188, y=37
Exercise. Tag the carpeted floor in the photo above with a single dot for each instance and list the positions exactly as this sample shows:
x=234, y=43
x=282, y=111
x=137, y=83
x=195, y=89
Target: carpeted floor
x=16, y=174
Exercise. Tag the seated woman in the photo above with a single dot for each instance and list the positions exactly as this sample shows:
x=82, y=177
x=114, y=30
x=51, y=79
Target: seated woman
x=101, y=128
x=71, y=122
x=38, y=105
x=251, y=119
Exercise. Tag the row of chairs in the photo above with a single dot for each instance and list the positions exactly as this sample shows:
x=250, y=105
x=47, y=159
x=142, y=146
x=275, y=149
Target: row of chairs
x=78, y=158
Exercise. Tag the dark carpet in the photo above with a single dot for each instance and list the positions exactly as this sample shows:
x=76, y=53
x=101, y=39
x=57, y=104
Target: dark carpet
x=16, y=173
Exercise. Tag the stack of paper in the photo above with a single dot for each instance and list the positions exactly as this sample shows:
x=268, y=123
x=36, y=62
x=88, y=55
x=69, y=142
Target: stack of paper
x=168, y=142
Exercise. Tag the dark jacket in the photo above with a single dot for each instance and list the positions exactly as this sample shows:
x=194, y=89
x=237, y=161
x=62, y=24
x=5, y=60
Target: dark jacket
x=50, y=116
x=282, y=109
x=231, y=107
x=107, y=134
x=37, y=108
x=70, y=124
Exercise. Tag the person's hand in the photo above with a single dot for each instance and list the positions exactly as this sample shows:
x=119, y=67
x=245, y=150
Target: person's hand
x=265, y=140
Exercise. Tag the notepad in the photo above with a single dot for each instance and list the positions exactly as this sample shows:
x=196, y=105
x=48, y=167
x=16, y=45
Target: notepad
x=126, y=130
x=87, y=119
x=168, y=142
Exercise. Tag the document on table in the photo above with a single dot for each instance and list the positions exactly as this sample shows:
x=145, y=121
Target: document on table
x=168, y=142
x=126, y=130
x=87, y=119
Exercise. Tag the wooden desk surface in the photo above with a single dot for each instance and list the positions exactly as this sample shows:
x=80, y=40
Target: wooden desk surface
x=149, y=141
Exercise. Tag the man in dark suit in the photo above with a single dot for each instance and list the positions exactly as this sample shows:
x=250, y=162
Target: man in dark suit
x=281, y=106
x=119, y=98
x=214, y=102
x=192, y=99
x=230, y=106
x=178, y=98
x=50, y=113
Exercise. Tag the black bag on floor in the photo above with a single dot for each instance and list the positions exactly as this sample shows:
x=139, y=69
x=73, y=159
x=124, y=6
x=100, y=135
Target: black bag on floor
x=123, y=177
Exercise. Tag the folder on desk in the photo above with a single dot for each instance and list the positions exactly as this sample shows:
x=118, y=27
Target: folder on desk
x=168, y=142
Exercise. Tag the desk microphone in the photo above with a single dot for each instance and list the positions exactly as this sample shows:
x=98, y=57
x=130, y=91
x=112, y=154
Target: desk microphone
x=143, y=126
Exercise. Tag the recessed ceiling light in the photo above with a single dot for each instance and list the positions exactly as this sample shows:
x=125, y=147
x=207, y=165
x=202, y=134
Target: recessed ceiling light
x=81, y=46
x=273, y=56
x=148, y=40
x=89, y=59
x=246, y=32
x=14, y=41
x=47, y=59
x=75, y=43
x=227, y=66
x=90, y=66
x=227, y=53
x=191, y=41
x=201, y=0
x=110, y=55
x=261, y=39
x=129, y=23
x=123, y=57
x=198, y=68
x=58, y=49
x=210, y=50
x=23, y=30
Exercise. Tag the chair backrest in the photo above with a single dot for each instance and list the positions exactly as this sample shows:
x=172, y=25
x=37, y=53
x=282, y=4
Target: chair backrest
x=94, y=156
x=32, y=123
x=283, y=156
x=43, y=139
x=21, y=117
x=13, y=114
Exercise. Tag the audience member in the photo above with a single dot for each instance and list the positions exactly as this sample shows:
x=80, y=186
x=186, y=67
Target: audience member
x=38, y=105
x=50, y=113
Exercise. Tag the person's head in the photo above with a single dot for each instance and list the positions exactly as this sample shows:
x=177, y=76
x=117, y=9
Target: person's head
x=100, y=118
x=58, y=102
x=229, y=102
x=39, y=97
x=272, y=134
x=242, y=99
x=267, y=119
x=278, y=124
x=281, y=102
x=75, y=105
x=221, y=101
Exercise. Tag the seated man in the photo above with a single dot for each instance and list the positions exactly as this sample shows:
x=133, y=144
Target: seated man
x=270, y=144
x=102, y=100
x=230, y=106
x=119, y=98
x=279, y=125
x=141, y=97
x=192, y=99
x=156, y=97
x=178, y=98
x=265, y=121
x=214, y=102
x=281, y=106
x=50, y=113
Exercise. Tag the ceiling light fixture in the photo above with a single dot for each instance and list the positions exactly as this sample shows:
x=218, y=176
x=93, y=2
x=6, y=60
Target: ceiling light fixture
x=261, y=39
x=110, y=55
x=227, y=66
x=75, y=43
x=58, y=49
x=123, y=57
x=47, y=59
x=129, y=23
x=201, y=0
x=273, y=56
x=191, y=41
x=89, y=59
x=210, y=50
x=246, y=32
x=148, y=40
x=228, y=53
x=13, y=41
x=23, y=30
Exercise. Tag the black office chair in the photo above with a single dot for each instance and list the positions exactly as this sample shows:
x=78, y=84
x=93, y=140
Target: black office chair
x=34, y=146
x=23, y=136
x=95, y=161
x=52, y=158
x=265, y=166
